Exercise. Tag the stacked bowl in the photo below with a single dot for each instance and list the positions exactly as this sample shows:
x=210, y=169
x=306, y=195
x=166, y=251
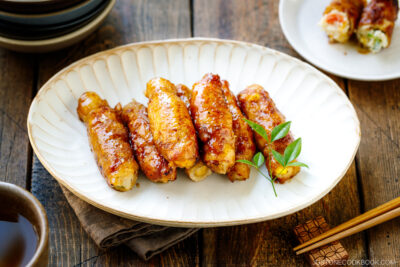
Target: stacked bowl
x=47, y=25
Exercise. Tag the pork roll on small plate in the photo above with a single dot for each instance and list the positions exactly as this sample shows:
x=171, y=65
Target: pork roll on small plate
x=346, y=38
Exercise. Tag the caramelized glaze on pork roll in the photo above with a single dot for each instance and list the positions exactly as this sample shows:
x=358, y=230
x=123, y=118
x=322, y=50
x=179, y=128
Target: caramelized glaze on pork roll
x=171, y=124
x=376, y=25
x=244, y=144
x=257, y=105
x=109, y=141
x=213, y=122
x=199, y=171
x=151, y=162
x=340, y=19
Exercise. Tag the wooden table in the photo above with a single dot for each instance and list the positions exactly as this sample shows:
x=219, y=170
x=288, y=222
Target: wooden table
x=371, y=180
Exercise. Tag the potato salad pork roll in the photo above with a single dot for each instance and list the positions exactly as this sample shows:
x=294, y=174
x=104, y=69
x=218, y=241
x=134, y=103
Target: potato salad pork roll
x=199, y=171
x=108, y=138
x=213, y=122
x=151, y=162
x=340, y=19
x=260, y=108
x=171, y=124
x=376, y=24
x=244, y=144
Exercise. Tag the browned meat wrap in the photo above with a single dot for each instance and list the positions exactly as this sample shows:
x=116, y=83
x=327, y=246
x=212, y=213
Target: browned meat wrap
x=260, y=108
x=151, y=162
x=199, y=171
x=340, y=19
x=108, y=138
x=171, y=124
x=376, y=25
x=213, y=122
x=244, y=144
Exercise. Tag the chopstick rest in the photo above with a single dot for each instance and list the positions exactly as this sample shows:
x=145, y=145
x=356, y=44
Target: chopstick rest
x=329, y=255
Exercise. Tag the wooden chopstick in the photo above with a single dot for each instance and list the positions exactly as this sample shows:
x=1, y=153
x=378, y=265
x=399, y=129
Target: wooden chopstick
x=351, y=225
x=358, y=228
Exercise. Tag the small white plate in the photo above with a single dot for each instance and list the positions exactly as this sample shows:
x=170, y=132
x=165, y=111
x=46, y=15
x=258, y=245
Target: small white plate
x=319, y=110
x=299, y=19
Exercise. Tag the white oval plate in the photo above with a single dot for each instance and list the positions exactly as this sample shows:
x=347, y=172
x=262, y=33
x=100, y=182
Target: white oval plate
x=320, y=113
x=299, y=19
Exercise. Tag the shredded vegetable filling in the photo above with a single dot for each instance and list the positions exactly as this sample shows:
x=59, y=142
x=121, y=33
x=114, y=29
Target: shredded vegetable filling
x=374, y=40
x=336, y=25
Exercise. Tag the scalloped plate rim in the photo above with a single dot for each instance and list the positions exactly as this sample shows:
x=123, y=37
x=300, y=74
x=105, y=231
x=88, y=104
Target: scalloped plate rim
x=184, y=223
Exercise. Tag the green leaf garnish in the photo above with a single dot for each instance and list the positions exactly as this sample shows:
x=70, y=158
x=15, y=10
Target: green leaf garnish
x=279, y=158
x=258, y=129
x=292, y=151
x=296, y=163
x=248, y=162
x=258, y=159
x=280, y=131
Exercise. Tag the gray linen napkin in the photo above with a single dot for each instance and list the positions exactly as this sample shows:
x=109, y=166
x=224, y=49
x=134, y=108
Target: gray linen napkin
x=108, y=230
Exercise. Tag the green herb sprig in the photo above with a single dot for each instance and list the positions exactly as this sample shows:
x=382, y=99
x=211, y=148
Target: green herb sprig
x=288, y=158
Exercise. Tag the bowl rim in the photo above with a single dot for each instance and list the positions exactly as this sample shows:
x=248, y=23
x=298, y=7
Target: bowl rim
x=36, y=6
x=37, y=32
x=63, y=38
x=182, y=223
x=41, y=15
x=39, y=211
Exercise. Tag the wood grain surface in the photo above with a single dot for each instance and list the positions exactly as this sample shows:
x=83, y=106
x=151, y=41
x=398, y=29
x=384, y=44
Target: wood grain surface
x=17, y=80
x=378, y=159
x=371, y=180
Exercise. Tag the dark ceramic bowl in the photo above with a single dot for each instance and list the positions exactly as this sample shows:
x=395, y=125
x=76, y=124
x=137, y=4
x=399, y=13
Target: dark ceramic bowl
x=19, y=200
x=36, y=6
x=32, y=31
x=56, y=43
x=53, y=18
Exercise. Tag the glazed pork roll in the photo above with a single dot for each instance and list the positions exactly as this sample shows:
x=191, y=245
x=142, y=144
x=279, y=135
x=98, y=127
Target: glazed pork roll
x=109, y=141
x=213, y=122
x=244, y=144
x=377, y=23
x=170, y=123
x=199, y=171
x=259, y=107
x=152, y=163
x=340, y=19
